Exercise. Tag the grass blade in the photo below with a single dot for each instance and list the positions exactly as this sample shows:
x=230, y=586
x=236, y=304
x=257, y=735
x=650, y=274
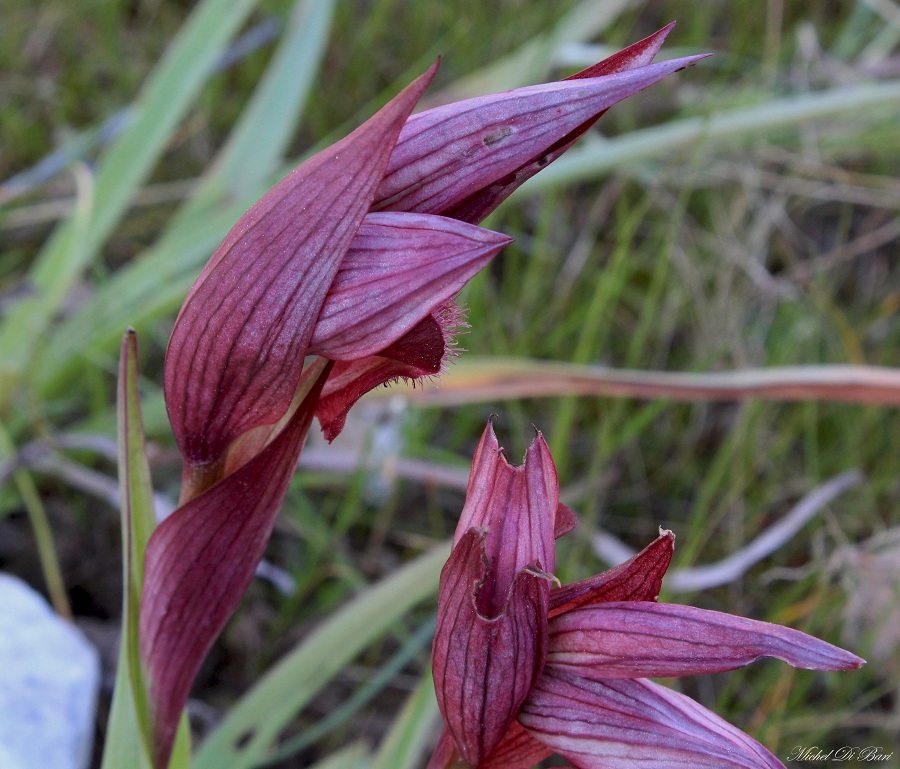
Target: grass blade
x=261, y=136
x=75, y=243
x=158, y=282
x=129, y=729
x=591, y=159
x=405, y=742
x=40, y=525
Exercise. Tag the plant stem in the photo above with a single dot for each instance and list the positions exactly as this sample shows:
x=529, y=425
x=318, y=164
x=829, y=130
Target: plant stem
x=43, y=534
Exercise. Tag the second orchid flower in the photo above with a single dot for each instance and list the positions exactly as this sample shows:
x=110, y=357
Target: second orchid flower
x=523, y=669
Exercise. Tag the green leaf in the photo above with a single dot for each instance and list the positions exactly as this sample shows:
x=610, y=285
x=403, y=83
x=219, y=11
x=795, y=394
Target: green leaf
x=355, y=756
x=261, y=137
x=129, y=729
x=40, y=525
x=165, y=98
x=374, y=685
x=254, y=723
x=405, y=742
x=247, y=165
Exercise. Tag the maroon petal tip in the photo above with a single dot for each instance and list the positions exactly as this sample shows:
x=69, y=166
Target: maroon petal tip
x=635, y=55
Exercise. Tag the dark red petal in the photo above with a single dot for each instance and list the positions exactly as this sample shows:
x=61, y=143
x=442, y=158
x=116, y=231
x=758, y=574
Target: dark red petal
x=484, y=667
x=199, y=563
x=565, y=521
x=399, y=269
x=418, y=353
x=237, y=350
x=462, y=159
x=476, y=511
x=634, y=724
x=637, y=54
x=638, y=579
x=517, y=750
x=655, y=640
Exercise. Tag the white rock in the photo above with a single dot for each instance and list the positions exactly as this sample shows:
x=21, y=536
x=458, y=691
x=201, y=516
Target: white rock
x=49, y=679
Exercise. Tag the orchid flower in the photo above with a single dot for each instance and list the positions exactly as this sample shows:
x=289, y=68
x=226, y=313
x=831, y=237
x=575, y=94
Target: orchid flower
x=523, y=669
x=339, y=279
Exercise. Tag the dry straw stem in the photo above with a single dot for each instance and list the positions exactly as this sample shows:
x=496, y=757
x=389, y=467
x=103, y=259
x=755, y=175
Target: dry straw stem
x=477, y=380
x=612, y=550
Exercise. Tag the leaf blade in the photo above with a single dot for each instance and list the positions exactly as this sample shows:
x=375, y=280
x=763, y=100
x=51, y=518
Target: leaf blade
x=128, y=730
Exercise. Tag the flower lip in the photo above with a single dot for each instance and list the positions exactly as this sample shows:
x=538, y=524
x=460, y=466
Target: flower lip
x=657, y=640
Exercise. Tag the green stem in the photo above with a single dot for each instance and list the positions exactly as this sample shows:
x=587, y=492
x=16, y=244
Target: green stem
x=43, y=534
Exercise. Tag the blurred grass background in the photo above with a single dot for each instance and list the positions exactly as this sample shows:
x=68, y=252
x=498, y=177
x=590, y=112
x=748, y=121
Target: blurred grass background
x=772, y=242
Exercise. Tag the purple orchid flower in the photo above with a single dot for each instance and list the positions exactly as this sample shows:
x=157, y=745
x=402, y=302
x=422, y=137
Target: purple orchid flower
x=339, y=279
x=523, y=669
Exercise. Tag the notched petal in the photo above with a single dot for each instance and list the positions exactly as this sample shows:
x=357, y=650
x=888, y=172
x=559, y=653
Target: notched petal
x=518, y=508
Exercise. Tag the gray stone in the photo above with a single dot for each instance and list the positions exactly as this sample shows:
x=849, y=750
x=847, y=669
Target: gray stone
x=49, y=679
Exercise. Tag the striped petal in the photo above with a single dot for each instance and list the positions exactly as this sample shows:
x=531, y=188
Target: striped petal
x=462, y=159
x=634, y=724
x=199, y=562
x=484, y=666
x=649, y=640
x=399, y=269
x=478, y=205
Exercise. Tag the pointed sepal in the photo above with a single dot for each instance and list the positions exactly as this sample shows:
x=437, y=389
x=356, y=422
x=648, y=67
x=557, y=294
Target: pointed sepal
x=238, y=346
x=638, y=579
x=462, y=159
x=399, y=269
x=657, y=640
